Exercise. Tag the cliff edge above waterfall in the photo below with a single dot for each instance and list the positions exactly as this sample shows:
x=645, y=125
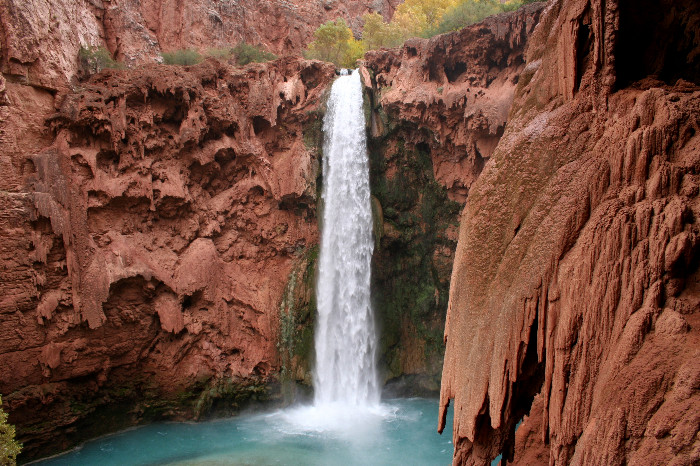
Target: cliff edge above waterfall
x=575, y=293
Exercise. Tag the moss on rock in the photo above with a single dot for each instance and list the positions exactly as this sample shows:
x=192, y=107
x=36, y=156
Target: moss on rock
x=413, y=257
x=297, y=320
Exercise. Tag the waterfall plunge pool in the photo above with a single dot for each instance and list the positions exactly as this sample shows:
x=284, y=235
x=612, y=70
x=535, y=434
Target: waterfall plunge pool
x=395, y=432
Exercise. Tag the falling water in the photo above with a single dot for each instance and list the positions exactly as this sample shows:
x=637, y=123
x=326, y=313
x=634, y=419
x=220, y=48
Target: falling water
x=346, y=425
x=345, y=336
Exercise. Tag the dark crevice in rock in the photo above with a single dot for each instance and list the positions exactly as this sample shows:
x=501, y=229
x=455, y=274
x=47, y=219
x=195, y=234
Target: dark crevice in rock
x=658, y=38
x=584, y=47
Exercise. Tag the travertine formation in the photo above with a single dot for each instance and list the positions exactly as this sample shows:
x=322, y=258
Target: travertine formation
x=438, y=108
x=146, y=250
x=40, y=40
x=576, y=272
x=455, y=92
x=151, y=219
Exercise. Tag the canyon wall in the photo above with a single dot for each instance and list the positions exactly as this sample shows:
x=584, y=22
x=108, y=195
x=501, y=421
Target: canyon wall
x=436, y=110
x=146, y=247
x=575, y=294
x=158, y=228
x=40, y=40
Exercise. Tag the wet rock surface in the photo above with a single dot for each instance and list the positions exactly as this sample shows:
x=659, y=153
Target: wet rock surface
x=436, y=109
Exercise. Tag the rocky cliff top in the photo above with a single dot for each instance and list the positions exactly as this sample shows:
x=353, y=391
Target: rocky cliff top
x=40, y=40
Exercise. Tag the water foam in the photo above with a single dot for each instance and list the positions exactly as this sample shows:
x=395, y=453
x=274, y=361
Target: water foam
x=345, y=373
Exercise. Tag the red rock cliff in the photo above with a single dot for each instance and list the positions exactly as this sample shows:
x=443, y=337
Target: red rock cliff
x=146, y=250
x=576, y=280
x=39, y=40
x=455, y=91
x=438, y=108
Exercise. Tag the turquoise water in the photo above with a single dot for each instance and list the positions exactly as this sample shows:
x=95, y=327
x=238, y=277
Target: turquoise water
x=397, y=432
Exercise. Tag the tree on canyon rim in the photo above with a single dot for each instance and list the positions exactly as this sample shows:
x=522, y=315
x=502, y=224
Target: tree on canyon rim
x=334, y=41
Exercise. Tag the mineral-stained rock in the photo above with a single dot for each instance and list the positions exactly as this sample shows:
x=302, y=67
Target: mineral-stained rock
x=438, y=108
x=145, y=257
x=40, y=40
x=576, y=272
x=454, y=92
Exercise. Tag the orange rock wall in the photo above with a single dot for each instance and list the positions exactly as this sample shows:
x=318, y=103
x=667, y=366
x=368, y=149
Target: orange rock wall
x=576, y=273
x=147, y=246
x=40, y=40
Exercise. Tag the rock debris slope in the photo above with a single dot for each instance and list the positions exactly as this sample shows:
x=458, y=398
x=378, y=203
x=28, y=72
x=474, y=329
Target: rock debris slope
x=576, y=279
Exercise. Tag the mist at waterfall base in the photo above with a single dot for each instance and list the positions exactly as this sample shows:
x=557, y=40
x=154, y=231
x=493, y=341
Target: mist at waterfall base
x=347, y=424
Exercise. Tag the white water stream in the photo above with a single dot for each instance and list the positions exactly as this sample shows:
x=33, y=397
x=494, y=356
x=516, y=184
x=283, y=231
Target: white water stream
x=345, y=338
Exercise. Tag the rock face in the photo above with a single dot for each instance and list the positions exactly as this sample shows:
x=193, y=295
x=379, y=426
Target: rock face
x=40, y=40
x=576, y=280
x=437, y=109
x=146, y=248
x=452, y=93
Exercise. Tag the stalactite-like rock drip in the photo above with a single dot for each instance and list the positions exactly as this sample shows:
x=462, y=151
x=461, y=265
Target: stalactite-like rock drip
x=167, y=215
x=576, y=277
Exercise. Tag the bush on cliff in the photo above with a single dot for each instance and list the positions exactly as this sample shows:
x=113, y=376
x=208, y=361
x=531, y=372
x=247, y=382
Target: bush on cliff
x=94, y=59
x=376, y=33
x=242, y=54
x=334, y=42
x=220, y=53
x=184, y=57
x=466, y=12
x=9, y=448
x=246, y=53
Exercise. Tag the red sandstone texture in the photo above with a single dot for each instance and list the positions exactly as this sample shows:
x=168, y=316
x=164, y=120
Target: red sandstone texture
x=455, y=90
x=438, y=108
x=576, y=278
x=40, y=40
x=146, y=248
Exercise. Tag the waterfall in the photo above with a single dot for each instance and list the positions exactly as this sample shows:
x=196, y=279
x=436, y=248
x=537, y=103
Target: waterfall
x=345, y=335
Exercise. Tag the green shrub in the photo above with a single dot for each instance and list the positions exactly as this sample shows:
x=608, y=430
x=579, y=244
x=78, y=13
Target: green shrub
x=468, y=12
x=9, y=448
x=223, y=53
x=182, y=57
x=334, y=42
x=246, y=53
x=376, y=33
x=94, y=59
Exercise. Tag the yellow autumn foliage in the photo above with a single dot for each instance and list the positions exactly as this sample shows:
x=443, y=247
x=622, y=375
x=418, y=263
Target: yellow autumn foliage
x=334, y=41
